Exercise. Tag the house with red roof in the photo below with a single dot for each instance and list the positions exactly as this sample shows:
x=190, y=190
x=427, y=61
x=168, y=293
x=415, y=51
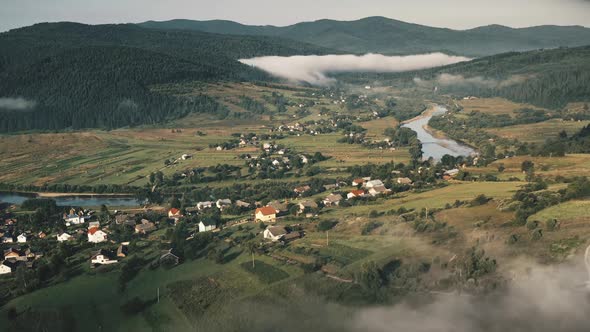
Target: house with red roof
x=95, y=235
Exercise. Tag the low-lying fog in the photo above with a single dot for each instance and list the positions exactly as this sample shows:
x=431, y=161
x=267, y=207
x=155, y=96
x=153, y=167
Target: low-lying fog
x=314, y=69
x=545, y=299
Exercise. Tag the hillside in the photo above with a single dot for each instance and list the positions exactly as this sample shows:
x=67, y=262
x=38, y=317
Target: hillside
x=75, y=75
x=388, y=36
x=547, y=78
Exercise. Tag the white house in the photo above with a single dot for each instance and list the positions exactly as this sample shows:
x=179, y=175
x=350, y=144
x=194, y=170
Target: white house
x=204, y=205
x=175, y=214
x=223, y=203
x=5, y=269
x=73, y=219
x=307, y=204
x=378, y=190
x=266, y=214
x=404, y=181
x=101, y=258
x=63, y=237
x=206, y=226
x=95, y=235
x=332, y=199
x=21, y=238
x=373, y=184
x=274, y=233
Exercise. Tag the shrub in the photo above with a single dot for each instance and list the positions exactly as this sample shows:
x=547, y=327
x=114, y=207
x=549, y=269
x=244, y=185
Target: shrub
x=513, y=239
x=551, y=224
x=370, y=226
x=326, y=225
x=479, y=200
x=537, y=234
x=532, y=224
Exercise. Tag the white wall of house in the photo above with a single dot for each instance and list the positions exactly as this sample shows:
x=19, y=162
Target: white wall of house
x=97, y=237
x=101, y=259
x=63, y=237
x=206, y=228
x=268, y=235
x=266, y=218
x=5, y=269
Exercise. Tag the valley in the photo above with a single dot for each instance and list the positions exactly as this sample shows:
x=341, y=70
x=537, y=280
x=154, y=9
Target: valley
x=151, y=180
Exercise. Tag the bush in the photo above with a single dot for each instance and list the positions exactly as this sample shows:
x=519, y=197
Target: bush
x=326, y=225
x=479, y=200
x=532, y=224
x=513, y=239
x=537, y=234
x=551, y=224
x=370, y=226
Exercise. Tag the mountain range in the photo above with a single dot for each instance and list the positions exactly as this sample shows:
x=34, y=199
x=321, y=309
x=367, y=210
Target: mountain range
x=388, y=36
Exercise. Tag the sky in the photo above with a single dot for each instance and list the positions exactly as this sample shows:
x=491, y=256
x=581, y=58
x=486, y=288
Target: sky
x=456, y=14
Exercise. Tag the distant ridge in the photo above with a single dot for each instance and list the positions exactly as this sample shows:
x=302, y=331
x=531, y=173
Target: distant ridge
x=389, y=36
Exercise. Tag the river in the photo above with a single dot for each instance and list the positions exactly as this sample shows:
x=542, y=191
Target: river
x=436, y=147
x=74, y=200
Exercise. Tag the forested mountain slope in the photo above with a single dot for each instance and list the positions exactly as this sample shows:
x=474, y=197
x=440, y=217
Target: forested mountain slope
x=547, y=78
x=61, y=75
x=388, y=36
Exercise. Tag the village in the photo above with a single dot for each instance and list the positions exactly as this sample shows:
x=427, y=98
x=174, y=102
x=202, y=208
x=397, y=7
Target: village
x=86, y=226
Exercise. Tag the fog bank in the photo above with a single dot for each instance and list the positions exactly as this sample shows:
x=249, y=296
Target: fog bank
x=16, y=104
x=450, y=80
x=315, y=69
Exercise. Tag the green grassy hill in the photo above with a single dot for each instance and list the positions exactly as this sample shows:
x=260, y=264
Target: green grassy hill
x=383, y=35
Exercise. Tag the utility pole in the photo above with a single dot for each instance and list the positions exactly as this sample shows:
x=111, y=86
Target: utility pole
x=327, y=239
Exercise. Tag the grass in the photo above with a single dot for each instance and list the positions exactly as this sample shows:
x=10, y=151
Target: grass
x=539, y=132
x=266, y=273
x=344, y=155
x=572, y=212
x=568, y=166
x=128, y=156
x=493, y=106
x=375, y=128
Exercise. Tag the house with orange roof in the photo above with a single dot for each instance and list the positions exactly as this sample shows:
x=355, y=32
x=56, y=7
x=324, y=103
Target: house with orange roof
x=356, y=193
x=265, y=214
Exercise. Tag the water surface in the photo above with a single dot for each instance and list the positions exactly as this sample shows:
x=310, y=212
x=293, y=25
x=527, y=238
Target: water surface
x=436, y=147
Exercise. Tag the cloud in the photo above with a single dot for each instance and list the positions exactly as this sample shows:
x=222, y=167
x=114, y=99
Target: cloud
x=315, y=69
x=450, y=80
x=16, y=104
x=546, y=299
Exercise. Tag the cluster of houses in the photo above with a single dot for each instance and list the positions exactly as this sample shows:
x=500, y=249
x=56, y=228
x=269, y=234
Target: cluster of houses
x=370, y=187
x=13, y=257
x=366, y=188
